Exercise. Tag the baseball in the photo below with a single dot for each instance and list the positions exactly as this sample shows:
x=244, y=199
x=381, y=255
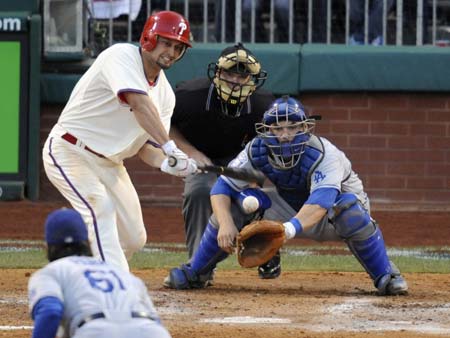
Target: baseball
x=250, y=204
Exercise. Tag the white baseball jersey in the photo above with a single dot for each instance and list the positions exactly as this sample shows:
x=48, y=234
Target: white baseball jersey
x=99, y=188
x=89, y=286
x=97, y=116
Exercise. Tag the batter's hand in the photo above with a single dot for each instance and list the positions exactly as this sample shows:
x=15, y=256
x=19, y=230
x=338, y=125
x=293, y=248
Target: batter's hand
x=177, y=163
x=184, y=166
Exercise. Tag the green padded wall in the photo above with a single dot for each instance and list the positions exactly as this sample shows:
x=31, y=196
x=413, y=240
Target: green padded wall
x=311, y=67
x=386, y=68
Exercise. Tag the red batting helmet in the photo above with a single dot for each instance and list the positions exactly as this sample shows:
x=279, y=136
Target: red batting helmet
x=167, y=24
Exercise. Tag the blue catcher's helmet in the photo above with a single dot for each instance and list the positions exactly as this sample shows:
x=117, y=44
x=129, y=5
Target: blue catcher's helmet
x=285, y=130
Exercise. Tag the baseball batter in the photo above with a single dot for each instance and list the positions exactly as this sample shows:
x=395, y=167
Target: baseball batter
x=85, y=297
x=317, y=194
x=122, y=106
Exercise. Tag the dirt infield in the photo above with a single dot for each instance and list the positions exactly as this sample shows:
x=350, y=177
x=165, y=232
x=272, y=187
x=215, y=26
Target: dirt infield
x=307, y=304
x=298, y=304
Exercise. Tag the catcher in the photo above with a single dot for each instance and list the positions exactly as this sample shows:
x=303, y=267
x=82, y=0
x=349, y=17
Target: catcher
x=317, y=194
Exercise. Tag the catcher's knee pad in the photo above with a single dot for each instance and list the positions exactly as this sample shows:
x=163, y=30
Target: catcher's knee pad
x=349, y=217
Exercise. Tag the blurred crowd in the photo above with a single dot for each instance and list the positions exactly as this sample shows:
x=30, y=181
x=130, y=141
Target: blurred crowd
x=266, y=21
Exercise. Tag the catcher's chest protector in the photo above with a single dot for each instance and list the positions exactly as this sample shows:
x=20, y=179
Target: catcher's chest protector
x=292, y=184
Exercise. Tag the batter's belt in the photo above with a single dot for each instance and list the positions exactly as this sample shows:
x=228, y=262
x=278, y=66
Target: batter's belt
x=73, y=140
x=99, y=315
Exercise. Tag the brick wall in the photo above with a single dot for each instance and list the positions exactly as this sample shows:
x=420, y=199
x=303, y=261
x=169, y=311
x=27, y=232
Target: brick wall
x=399, y=145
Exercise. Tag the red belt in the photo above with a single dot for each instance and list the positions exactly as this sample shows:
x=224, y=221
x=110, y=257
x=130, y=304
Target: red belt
x=73, y=140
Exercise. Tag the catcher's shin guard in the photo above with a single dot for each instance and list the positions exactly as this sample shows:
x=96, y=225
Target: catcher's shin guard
x=365, y=240
x=208, y=253
x=197, y=273
x=371, y=253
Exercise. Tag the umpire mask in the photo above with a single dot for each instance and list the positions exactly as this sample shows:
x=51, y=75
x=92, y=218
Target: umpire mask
x=236, y=75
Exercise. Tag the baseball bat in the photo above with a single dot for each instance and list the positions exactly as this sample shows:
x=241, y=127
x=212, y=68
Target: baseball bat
x=244, y=174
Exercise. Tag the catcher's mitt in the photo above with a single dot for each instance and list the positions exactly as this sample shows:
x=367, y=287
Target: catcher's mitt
x=258, y=242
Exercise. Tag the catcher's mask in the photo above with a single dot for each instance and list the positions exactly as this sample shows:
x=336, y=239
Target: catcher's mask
x=285, y=130
x=236, y=62
x=167, y=24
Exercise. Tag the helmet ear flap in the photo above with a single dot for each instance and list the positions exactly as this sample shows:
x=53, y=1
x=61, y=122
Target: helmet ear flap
x=148, y=42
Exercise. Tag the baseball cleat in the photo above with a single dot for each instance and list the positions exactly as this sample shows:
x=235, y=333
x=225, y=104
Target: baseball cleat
x=184, y=278
x=397, y=286
x=392, y=285
x=271, y=269
x=209, y=278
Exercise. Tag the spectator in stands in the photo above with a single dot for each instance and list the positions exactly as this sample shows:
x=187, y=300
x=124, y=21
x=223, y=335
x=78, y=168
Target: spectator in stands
x=155, y=6
x=375, y=21
x=319, y=21
x=281, y=16
x=105, y=9
x=410, y=22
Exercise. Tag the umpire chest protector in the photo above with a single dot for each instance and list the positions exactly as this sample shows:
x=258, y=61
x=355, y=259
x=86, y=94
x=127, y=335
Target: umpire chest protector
x=292, y=184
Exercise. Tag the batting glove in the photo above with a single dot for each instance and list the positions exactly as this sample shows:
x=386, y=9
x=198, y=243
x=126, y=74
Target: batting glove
x=182, y=168
x=177, y=162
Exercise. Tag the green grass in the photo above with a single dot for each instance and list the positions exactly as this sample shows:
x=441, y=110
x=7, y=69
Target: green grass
x=22, y=259
x=295, y=259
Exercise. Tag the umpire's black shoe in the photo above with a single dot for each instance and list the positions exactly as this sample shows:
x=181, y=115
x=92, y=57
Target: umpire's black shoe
x=271, y=269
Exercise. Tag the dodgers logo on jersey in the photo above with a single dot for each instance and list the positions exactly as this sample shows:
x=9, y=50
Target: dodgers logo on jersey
x=318, y=176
